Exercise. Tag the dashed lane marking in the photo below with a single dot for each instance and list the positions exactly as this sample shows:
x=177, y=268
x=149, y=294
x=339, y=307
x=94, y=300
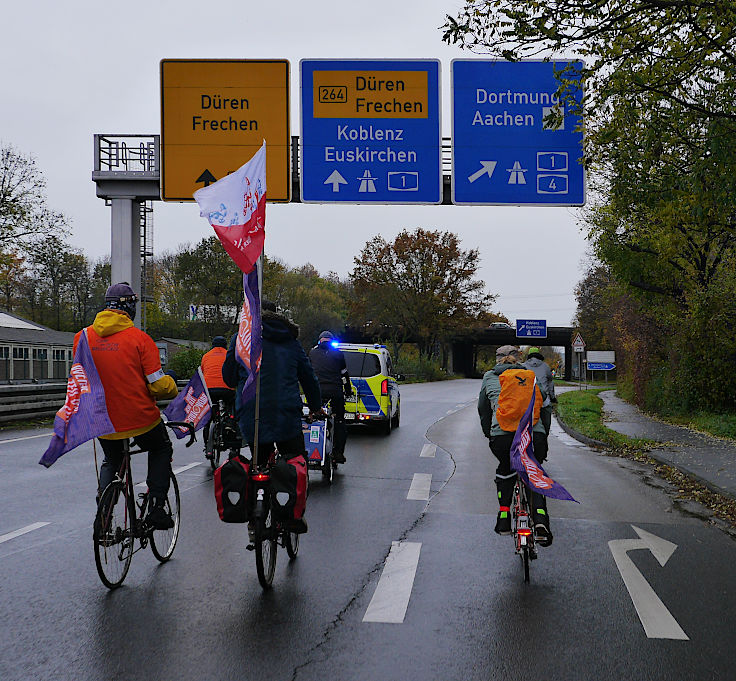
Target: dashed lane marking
x=420, y=485
x=181, y=469
x=391, y=598
x=27, y=437
x=21, y=531
x=429, y=451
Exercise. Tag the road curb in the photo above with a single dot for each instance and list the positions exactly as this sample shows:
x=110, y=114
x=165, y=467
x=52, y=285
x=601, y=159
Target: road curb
x=579, y=436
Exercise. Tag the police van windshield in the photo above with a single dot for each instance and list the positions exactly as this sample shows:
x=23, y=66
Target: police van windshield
x=362, y=364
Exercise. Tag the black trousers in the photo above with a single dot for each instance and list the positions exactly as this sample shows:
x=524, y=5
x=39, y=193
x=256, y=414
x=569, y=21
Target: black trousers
x=288, y=448
x=506, y=476
x=158, y=445
x=337, y=403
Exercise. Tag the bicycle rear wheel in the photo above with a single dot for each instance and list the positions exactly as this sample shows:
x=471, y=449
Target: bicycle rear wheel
x=113, y=534
x=525, y=561
x=212, y=442
x=265, y=542
x=291, y=541
x=163, y=542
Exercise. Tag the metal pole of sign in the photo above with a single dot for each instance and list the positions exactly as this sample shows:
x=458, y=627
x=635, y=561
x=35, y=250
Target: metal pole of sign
x=259, y=269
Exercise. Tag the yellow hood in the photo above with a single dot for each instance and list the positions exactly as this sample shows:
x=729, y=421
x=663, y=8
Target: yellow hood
x=109, y=322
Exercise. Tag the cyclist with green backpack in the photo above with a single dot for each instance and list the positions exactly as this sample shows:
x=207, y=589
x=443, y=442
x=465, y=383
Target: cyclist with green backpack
x=504, y=397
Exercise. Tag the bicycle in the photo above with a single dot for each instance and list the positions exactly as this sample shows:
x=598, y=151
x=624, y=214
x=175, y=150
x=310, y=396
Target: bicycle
x=121, y=519
x=522, y=528
x=268, y=532
x=224, y=433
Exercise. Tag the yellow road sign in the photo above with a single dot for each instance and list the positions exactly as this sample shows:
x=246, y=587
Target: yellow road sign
x=215, y=115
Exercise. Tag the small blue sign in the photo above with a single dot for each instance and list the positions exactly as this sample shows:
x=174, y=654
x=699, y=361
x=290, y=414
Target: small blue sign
x=371, y=131
x=601, y=366
x=504, y=149
x=531, y=328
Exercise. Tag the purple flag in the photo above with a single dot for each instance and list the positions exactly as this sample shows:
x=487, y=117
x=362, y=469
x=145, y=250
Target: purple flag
x=192, y=405
x=84, y=414
x=526, y=465
x=249, y=343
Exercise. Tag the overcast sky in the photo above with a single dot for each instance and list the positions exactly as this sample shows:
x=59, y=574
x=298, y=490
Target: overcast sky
x=72, y=69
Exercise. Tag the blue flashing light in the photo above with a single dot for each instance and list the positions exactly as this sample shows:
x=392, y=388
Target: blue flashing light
x=334, y=343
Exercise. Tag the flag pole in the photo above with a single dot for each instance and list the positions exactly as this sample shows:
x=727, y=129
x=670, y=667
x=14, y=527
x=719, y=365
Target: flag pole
x=259, y=270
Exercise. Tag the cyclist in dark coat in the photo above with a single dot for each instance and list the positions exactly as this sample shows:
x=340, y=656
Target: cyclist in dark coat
x=284, y=368
x=334, y=382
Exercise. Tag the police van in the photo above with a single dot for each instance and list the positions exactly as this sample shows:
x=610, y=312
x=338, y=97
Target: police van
x=375, y=397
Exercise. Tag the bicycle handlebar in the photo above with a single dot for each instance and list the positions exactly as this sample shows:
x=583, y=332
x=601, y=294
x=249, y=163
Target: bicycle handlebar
x=183, y=424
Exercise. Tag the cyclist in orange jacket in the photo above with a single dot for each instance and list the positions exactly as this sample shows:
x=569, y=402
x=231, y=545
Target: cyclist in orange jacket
x=211, y=364
x=129, y=366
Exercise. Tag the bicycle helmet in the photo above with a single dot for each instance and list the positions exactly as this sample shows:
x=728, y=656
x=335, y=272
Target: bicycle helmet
x=219, y=342
x=121, y=297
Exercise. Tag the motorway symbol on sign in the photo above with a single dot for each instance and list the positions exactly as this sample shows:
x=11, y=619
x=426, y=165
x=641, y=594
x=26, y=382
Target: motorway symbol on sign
x=371, y=131
x=501, y=112
x=215, y=114
x=531, y=328
x=656, y=619
x=601, y=366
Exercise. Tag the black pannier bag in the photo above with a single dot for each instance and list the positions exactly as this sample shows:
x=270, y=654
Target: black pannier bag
x=231, y=490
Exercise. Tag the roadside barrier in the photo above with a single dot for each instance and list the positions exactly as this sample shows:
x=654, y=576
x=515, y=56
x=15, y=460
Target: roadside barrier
x=26, y=401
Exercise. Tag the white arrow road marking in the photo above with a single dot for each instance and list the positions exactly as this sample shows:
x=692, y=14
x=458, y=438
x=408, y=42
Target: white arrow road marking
x=656, y=619
x=335, y=179
x=487, y=168
x=429, y=451
x=420, y=485
x=391, y=598
x=22, y=530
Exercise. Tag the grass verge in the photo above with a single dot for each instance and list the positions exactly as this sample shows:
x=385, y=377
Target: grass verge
x=582, y=411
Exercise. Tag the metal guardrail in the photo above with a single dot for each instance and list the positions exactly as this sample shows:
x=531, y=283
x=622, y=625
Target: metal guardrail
x=29, y=401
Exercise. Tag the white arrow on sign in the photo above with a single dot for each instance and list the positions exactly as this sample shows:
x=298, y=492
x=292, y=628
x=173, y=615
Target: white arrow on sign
x=487, y=168
x=335, y=179
x=656, y=619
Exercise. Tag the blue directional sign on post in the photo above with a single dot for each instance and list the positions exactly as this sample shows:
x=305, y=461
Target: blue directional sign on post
x=506, y=148
x=601, y=366
x=531, y=328
x=371, y=131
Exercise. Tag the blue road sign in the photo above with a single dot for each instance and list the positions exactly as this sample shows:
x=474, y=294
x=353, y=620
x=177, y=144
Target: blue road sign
x=531, y=328
x=503, y=151
x=601, y=366
x=371, y=131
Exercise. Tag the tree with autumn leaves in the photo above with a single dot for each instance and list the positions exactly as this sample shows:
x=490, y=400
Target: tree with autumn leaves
x=421, y=287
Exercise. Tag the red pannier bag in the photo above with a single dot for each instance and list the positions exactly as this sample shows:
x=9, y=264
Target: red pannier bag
x=231, y=490
x=289, y=488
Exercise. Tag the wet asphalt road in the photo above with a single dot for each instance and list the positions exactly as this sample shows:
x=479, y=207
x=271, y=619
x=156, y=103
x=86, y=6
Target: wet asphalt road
x=203, y=615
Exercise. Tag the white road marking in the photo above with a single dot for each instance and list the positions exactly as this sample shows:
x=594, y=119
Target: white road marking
x=391, y=598
x=451, y=411
x=420, y=484
x=429, y=451
x=28, y=437
x=22, y=530
x=181, y=469
x=656, y=619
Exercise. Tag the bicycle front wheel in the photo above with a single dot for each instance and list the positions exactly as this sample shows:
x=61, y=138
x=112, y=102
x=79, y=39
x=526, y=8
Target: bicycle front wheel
x=113, y=534
x=265, y=541
x=212, y=442
x=163, y=542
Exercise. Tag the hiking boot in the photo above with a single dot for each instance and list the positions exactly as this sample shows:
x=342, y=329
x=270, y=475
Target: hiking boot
x=503, y=523
x=542, y=533
x=338, y=458
x=297, y=526
x=158, y=517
